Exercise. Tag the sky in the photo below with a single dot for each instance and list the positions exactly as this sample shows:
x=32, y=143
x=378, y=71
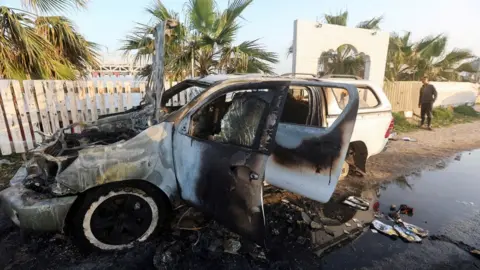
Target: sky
x=107, y=22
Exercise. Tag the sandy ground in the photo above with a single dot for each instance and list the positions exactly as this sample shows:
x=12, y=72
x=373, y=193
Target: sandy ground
x=403, y=157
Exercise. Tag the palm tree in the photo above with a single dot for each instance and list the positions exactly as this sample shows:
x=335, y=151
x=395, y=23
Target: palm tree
x=343, y=60
x=400, y=57
x=207, y=37
x=410, y=61
x=43, y=47
x=342, y=18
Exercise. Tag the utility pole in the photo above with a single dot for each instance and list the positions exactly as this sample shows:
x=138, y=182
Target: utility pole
x=157, y=86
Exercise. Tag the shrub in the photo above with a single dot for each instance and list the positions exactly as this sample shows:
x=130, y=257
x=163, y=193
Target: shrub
x=466, y=111
x=401, y=123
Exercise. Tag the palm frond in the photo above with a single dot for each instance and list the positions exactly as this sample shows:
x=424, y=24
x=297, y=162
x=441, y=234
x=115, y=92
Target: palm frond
x=373, y=23
x=54, y=5
x=339, y=19
x=202, y=15
x=42, y=47
x=455, y=58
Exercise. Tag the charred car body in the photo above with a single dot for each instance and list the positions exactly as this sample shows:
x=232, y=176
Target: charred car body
x=114, y=184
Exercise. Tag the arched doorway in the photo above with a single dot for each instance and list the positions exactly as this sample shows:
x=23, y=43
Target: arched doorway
x=345, y=59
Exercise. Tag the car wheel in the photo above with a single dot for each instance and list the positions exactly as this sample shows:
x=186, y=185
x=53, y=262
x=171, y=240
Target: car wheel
x=117, y=218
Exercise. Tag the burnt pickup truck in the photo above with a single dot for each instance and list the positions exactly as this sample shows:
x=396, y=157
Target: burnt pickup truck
x=114, y=184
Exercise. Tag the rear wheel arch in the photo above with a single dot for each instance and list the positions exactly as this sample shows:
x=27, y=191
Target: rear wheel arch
x=139, y=184
x=358, y=153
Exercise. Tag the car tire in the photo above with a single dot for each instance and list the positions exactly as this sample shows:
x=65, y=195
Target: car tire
x=118, y=217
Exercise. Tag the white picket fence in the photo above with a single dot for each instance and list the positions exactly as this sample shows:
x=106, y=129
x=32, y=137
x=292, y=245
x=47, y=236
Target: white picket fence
x=46, y=106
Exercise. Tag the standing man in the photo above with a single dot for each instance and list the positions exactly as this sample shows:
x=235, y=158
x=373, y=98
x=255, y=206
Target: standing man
x=428, y=95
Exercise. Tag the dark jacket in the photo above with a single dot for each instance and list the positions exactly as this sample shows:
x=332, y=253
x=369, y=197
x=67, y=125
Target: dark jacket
x=428, y=94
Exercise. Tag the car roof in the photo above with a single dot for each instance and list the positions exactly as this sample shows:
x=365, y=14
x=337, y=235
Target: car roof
x=211, y=79
x=349, y=81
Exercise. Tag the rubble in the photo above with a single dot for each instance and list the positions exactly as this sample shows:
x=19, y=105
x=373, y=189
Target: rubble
x=306, y=218
x=314, y=225
x=5, y=162
x=231, y=246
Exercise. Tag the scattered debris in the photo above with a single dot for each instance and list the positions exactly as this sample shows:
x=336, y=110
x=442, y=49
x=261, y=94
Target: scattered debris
x=357, y=202
x=231, y=246
x=355, y=220
x=393, y=207
x=458, y=157
x=359, y=225
x=441, y=164
x=384, y=228
x=406, y=210
x=406, y=234
x=316, y=225
x=328, y=221
x=262, y=256
x=5, y=162
x=373, y=231
x=328, y=231
x=415, y=229
x=376, y=206
x=346, y=232
x=475, y=253
x=348, y=224
x=306, y=218
x=275, y=232
x=395, y=216
x=408, y=139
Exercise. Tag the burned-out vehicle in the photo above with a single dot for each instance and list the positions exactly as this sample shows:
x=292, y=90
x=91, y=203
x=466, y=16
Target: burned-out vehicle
x=114, y=184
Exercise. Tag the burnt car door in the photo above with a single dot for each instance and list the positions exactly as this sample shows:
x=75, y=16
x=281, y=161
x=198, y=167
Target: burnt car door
x=221, y=147
x=307, y=159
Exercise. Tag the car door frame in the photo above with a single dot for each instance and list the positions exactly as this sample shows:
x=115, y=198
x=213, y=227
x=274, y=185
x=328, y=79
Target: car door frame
x=307, y=160
x=194, y=184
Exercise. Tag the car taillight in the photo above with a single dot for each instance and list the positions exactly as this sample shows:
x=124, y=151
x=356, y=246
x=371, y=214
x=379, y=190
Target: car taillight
x=390, y=129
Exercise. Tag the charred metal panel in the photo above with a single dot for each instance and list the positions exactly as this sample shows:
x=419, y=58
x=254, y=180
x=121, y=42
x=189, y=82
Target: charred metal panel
x=148, y=156
x=307, y=160
x=35, y=211
x=224, y=181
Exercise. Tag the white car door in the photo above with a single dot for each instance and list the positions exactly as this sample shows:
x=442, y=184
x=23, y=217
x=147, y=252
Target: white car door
x=307, y=160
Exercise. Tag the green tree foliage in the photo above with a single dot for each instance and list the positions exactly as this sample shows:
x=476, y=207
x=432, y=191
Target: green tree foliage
x=206, y=35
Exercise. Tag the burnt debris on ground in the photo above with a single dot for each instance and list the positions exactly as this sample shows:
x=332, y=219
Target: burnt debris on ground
x=194, y=241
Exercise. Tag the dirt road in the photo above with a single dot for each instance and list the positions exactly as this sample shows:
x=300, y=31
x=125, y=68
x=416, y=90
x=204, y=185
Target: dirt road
x=403, y=157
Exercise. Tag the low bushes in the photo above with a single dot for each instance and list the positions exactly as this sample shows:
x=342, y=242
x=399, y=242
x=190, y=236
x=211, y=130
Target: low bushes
x=442, y=116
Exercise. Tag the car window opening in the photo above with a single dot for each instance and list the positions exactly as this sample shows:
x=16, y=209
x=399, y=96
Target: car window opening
x=233, y=118
x=297, y=108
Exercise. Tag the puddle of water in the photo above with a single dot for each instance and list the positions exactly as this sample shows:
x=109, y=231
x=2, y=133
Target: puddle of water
x=445, y=201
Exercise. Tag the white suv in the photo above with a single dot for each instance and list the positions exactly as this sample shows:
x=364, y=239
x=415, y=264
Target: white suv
x=374, y=123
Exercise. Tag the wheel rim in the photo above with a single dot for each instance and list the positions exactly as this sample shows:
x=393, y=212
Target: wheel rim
x=121, y=219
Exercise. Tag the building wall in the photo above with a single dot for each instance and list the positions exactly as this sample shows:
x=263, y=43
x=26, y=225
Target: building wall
x=310, y=41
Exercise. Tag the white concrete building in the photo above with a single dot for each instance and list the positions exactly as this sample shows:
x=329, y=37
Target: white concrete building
x=311, y=39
